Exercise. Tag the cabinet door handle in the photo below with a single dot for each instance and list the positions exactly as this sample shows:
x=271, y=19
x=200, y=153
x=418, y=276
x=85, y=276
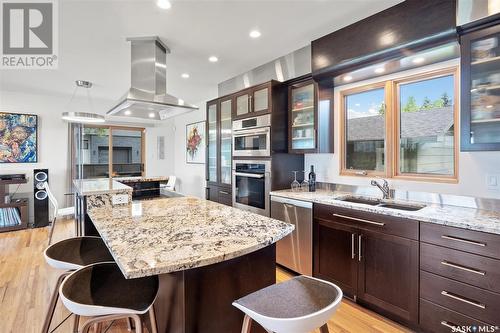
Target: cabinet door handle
x=461, y=299
x=463, y=240
x=380, y=224
x=223, y=192
x=359, y=247
x=463, y=268
x=453, y=327
x=353, y=252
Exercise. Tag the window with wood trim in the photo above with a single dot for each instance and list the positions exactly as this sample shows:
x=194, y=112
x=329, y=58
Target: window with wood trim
x=402, y=128
x=110, y=150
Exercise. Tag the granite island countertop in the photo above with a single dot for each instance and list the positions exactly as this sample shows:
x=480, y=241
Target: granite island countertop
x=173, y=234
x=99, y=186
x=454, y=216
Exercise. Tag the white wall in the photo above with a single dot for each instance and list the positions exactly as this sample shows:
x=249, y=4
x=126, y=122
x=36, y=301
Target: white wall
x=473, y=167
x=190, y=177
x=52, y=141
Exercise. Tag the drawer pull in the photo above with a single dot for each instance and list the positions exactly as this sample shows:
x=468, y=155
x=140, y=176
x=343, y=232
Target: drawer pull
x=463, y=268
x=453, y=327
x=380, y=224
x=461, y=299
x=224, y=192
x=463, y=240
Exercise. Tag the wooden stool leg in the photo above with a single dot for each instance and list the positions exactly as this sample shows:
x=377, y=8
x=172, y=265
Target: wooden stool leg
x=324, y=329
x=76, y=322
x=152, y=319
x=53, y=303
x=247, y=324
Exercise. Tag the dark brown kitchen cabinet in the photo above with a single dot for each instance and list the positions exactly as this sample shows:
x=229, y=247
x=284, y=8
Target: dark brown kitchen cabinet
x=388, y=274
x=253, y=101
x=460, y=275
x=310, y=125
x=219, y=149
x=372, y=257
x=480, y=89
x=335, y=246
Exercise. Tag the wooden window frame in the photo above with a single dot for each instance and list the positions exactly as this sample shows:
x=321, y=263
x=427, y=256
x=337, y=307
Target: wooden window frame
x=397, y=174
x=392, y=128
x=110, y=144
x=344, y=171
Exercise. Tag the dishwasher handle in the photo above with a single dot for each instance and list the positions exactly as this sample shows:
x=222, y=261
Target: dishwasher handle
x=297, y=203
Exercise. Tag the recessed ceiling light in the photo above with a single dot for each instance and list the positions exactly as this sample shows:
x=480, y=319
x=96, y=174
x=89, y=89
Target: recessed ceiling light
x=347, y=78
x=255, y=34
x=185, y=75
x=489, y=106
x=418, y=60
x=151, y=115
x=379, y=70
x=213, y=59
x=128, y=112
x=163, y=4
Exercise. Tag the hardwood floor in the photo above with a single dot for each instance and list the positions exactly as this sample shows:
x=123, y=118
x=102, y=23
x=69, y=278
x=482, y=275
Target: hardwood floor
x=26, y=283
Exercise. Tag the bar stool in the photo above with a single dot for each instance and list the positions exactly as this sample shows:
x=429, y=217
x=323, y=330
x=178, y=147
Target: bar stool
x=100, y=291
x=69, y=255
x=299, y=305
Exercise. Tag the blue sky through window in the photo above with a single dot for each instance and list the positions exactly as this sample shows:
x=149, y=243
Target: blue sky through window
x=366, y=104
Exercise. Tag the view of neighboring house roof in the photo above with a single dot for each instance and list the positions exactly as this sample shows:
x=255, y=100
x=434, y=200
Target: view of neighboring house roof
x=422, y=123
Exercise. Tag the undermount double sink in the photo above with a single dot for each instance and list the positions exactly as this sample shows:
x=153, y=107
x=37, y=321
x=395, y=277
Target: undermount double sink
x=382, y=203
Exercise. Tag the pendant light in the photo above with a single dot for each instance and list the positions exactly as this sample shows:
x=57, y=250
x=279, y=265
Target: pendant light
x=82, y=117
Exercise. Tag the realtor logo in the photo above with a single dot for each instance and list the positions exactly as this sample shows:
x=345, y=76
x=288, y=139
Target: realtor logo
x=29, y=37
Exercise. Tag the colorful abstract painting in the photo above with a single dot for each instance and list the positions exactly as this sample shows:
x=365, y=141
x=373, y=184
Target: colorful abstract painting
x=195, y=143
x=18, y=138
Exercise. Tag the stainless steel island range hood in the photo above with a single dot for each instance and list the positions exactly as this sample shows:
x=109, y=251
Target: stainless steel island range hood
x=147, y=97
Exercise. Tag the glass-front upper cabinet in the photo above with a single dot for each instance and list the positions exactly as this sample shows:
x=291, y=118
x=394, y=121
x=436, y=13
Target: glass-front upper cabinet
x=261, y=100
x=481, y=90
x=302, y=117
x=242, y=104
x=225, y=141
x=253, y=101
x=212, y=143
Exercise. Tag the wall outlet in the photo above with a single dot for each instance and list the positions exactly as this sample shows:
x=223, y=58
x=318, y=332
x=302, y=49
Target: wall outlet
x=120, y=199
x=493, y=182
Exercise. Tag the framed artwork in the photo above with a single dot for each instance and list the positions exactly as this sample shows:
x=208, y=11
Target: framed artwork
x=18, y=138
x=195, y=143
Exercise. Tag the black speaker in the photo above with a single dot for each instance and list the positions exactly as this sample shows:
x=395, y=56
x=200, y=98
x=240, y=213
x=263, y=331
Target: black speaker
x=41, y=199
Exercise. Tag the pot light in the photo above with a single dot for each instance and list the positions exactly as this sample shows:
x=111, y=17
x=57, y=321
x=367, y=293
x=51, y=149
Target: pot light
x=185, y=75
x=151, y=115
x=418, y=60
x=127, y=112
x=213, y=59
x=163, y=4
x=255, y=34
x=347, y=78
x=489, y=106
x=379, y=70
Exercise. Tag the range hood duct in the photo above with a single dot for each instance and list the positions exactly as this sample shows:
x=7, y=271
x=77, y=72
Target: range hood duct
x=147, y=97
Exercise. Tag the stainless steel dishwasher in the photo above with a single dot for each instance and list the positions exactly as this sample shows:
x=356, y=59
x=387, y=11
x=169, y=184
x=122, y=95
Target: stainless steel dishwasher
x=295, y=250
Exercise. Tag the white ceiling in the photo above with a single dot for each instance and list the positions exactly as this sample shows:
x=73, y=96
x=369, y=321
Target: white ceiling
x=93, y=47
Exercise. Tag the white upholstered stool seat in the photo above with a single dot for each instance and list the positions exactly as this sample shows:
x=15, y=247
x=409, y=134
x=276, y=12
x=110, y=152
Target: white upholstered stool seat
x=77, y=252
x=299, y=305
x=102, y=292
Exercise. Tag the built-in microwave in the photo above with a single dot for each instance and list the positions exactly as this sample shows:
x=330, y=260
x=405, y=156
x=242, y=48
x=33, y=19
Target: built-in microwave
x=252, y=137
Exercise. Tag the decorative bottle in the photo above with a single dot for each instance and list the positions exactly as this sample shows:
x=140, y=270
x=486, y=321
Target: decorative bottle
x=312, y=180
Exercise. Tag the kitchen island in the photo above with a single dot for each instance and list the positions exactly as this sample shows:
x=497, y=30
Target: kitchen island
x=206, y=255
